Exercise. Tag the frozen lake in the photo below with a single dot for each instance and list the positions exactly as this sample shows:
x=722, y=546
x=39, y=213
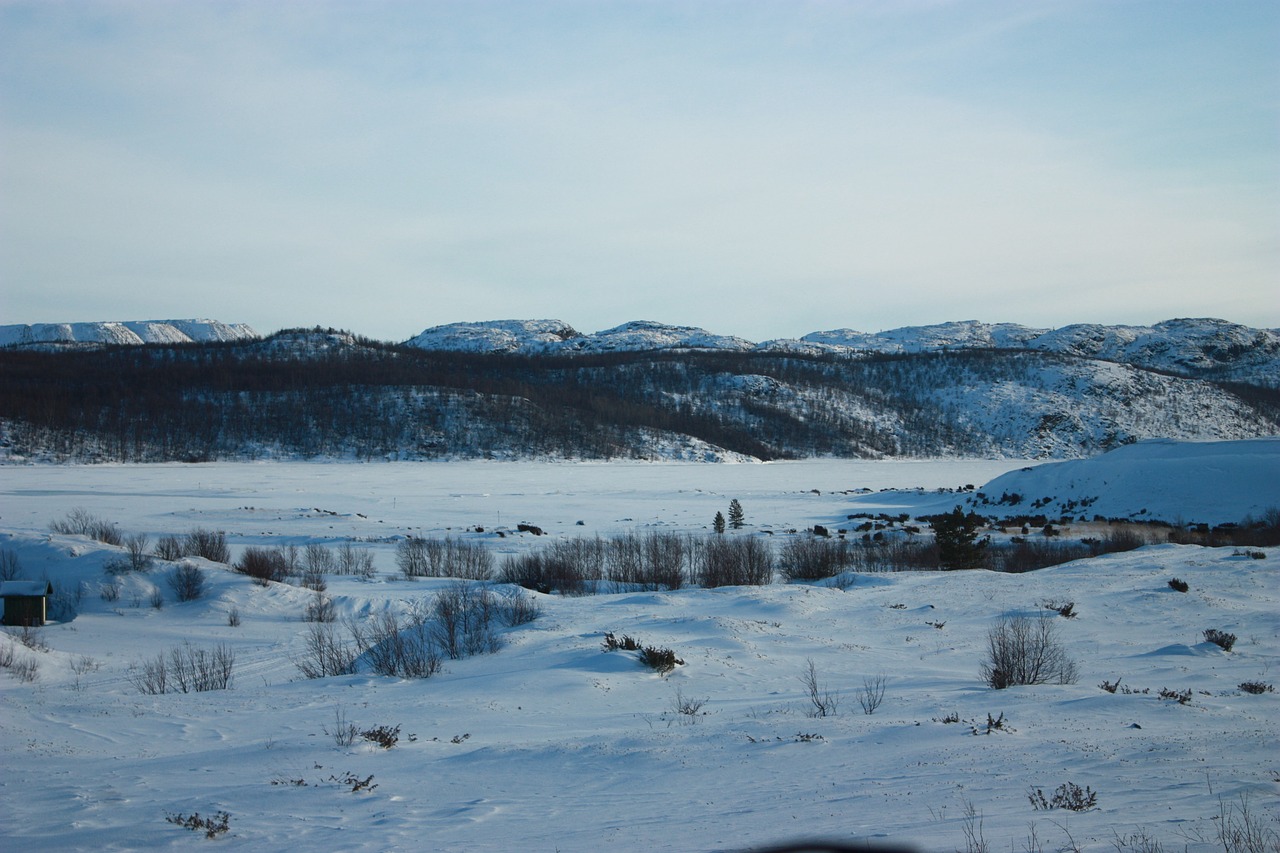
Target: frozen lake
x=376, y=500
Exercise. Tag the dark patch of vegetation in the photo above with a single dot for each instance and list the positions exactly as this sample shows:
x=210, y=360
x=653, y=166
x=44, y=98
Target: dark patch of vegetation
x=1069, y=796
x=212, y=827
x=1221, y=639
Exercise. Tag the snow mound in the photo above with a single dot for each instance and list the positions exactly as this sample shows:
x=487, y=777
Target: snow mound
x=1211, y=482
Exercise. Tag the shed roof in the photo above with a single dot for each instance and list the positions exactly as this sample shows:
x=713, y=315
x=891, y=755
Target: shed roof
x=16, y=589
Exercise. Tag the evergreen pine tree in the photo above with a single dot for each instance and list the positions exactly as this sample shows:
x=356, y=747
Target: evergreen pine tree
x=718, y=524
x=957, y=538
x=736, y=518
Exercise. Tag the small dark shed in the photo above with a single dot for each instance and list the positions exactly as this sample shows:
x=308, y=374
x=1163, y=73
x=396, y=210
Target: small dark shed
x=25, y=602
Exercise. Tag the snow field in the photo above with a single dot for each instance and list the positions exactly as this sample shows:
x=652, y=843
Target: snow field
x=554, y=744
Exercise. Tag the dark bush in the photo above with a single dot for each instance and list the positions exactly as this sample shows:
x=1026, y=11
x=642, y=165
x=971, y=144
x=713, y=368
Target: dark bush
x=1179, y=585
x=734, y=561
x=210, y=544
x=809, y=558
x=187, y=581
x=1221, y=639
x=627, y=644
x=212, y=827
x=660, y=660
x=1257, y=688
x=170, y=548
x=264, y=565
x=384, y=736
x=1069, y=796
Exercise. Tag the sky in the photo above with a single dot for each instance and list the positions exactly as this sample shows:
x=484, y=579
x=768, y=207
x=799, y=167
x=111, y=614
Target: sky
x=761, y=169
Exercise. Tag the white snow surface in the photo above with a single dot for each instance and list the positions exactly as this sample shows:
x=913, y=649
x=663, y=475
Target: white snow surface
x=552, y=743
x=129, y=332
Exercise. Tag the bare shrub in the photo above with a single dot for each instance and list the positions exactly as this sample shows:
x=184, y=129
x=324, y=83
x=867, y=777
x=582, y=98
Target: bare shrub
x=402, y=651
x=517, y=609
x=560, y=568
x=1179, y=584
x=325, y=653
x=354, y=561
x=810, y=557
x=895, y=555
x=872, y=693
x=734, y=561
x=650, y=561
x=264, y=565
x=1257, y=688
x=1243, y=830
x=1023, y=650
x=823, y=702
x=110, y=591
x=157, y=598
x=185, y=669
x=317, y=560
x=10, y=565
x=21, y=666
x=187, y=580
x=319, y=609
x=687, y=706
x=136, y=549
x=233, y=617
x=344, y=731
x=1028, y=555
x=412, y=558
x=170, y=548
x=81, y=522
x=464, y=617
x=210, y=544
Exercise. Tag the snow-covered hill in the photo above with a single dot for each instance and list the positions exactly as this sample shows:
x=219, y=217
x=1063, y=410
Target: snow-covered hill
x=1201, y=347
x=556, y=336
x=131, y=332
x=1212, y=482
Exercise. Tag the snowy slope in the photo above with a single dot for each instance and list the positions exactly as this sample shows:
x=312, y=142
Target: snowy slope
x=132, y=332
x=1211, y=482
x=554, y=744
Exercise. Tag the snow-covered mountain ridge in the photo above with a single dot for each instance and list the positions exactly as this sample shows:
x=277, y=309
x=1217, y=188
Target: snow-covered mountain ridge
x=1196, y=347
x=126, y=332
x=1207, y=348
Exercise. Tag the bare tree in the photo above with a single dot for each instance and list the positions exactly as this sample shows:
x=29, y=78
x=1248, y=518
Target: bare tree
x=824, y=702
x=1025, y=650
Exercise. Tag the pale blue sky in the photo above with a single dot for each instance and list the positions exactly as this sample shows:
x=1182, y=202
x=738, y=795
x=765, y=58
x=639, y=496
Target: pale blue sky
x=764, y=169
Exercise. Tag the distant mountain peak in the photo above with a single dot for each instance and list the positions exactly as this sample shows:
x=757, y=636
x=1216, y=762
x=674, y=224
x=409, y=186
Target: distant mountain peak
x=127, y=332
